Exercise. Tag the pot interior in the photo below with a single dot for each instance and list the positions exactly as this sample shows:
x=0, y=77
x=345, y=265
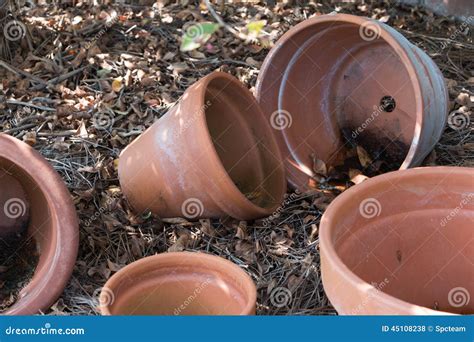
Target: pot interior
x=176, y=290
x=413, y=239
x=243, y=141
x=345, y=87
x=25, y=251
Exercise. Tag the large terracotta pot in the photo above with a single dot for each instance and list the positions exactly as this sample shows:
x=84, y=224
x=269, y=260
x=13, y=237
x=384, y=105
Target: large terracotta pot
x=181, y=283
x=38, y=202
x=402, y=243
x=212, y=155
x=334, y=82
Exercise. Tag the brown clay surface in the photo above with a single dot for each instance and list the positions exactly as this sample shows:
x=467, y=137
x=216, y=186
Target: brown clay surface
x=343, y=81
x=212, y=155
x=52, y=229
x=407, y=233
x=179, y=284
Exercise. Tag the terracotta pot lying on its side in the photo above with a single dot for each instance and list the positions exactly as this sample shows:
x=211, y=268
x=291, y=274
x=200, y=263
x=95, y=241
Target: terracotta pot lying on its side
x=212, y=155
x=334, y=82
x=402, y=243
x=182, y=283
x=34, y=198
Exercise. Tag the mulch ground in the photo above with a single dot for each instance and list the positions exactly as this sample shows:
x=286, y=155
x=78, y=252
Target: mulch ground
x=80, y=88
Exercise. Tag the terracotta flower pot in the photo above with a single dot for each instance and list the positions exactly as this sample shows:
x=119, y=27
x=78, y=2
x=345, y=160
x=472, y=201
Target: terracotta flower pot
x=402, y=243
x=339, y=81
x=34, y=198
x=181, y=283
x=211, y=155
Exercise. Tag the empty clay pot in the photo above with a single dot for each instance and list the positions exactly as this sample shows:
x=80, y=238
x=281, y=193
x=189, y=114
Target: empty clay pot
x=401, y=243
x=180, y=283
x=334, y=82
x=34, y=198
x=212, y=155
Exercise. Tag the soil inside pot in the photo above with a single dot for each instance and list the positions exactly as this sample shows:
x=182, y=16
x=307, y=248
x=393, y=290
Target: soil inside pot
x=18, y=260
x=385, y=154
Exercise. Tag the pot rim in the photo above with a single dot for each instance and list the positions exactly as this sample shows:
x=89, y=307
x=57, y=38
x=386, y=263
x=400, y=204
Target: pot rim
x=192, y=258
x=204, y=83
x=390, y=36
x=60, y=263
x=340, y=201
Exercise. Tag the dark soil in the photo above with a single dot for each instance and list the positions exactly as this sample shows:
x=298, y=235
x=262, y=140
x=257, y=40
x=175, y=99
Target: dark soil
x=386, y=154
x=18, y=261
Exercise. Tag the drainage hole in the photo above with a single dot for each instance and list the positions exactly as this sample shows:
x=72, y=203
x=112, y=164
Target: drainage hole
x=387, y=103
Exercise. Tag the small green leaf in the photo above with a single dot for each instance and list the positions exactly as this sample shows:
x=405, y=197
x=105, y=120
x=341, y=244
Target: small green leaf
x=197, y=35
x=255, y=27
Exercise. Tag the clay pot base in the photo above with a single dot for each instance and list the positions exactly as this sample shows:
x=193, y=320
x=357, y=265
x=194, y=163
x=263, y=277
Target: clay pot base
x=341, y=81
x=179, y=284
x=408, y=234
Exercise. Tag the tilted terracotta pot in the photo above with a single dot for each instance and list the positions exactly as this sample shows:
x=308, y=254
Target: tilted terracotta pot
x=212, y=155
x=38, y=201
x=338, y=81
x=402, y=243
x=181, y=283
